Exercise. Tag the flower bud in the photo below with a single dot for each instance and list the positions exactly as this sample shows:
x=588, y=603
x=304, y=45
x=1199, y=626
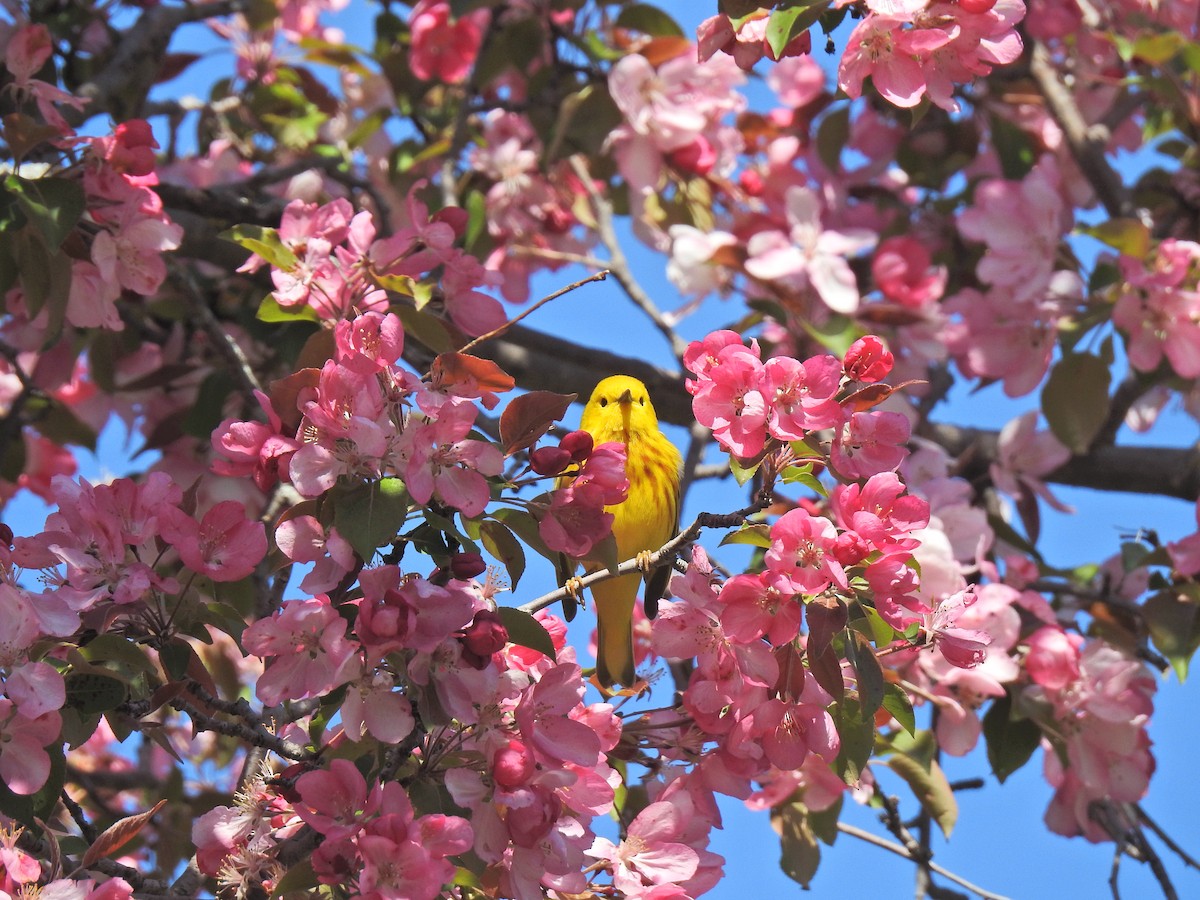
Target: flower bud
x=977, y=6
x=868, y=360
x=464, y=566
x=512, y=765
x=579, y=444
x=549, y=460
x=484, y=636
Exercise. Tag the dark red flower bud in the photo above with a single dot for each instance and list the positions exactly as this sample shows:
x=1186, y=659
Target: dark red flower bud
x=6, y=535
x=549, y=460
x=484, y=636
x=467, y=565
x=579, y=444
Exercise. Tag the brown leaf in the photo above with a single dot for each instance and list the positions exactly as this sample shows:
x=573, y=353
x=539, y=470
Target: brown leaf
x=284, y=392
x=874, y=394
x=826, y=617
x=476, y=374
x=530, y=416
x=118, y=835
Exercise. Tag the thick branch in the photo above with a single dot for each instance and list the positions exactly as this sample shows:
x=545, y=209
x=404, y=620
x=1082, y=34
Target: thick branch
x=1163, y=471
x=1086, y=142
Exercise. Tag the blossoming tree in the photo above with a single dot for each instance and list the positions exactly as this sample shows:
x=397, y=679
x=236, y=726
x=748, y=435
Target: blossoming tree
x=310, y=650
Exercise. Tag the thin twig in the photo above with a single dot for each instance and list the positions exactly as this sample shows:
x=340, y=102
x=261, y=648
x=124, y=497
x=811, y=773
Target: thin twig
x=598, y=276
x=1145, y=819
x=892, y=847
x=620, y=265
x=670, y=549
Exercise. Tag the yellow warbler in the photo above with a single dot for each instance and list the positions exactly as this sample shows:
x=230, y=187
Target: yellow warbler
x=620, y=410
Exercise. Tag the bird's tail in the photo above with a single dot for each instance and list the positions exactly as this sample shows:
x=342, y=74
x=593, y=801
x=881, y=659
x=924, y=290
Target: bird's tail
x=614, y=630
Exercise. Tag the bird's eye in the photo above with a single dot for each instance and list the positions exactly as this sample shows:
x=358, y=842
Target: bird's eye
x=604, y=401
x=642, y=401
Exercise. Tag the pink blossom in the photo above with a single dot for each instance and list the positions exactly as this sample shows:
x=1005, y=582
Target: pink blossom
x=870, y=443
x=962, y=647
x=27, y=51
x=443, y=461
x=650, y=853
x=1053, y=657
x=444, y=49
x=132, y=254
x=800, y=395
x=1024, y=455
x=372, y=705
x=312, y=654
x=334, y=801
x=24, y=763
x=802, y=552
x=224, y=545
x=798, y=80
x=731, y=400
x=868, y=360
x=809, y=254
x=903, y=271
x=412, y=613
x=758, y=605
x=1022, y=224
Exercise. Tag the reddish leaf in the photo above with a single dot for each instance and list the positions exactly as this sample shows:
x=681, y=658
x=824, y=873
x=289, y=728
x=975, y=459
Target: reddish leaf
x=317, y=350
x=477, y=375
x=826, y=617
x=530, y=416
x=827, y=670
x=118, y=835
x=663, y=49
x=874, y=394
x=284, y=392
x=173, y=65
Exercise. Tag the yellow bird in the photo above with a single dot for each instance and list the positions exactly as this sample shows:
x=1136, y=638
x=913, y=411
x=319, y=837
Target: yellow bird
x=620, y=410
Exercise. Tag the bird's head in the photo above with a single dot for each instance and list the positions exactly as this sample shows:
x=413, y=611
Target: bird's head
x=619, y=406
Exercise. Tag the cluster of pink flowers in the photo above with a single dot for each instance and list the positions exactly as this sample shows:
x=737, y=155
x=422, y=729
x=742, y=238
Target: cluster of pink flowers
x=576, y=519
x=529, y=212
x=1009, y=332
x=747, y=402
x=327, y=258
x=1158, y=308
x=1099, y=701
x=97, y=561
x=916, y=48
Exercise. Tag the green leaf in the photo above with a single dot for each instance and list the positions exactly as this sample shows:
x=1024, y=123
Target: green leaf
x=426, y=328
x=857, y=733
x=29, y=808
x=757, y=535
x=263, y=241
x=1173, y=618
x=800, y=854
x=54, y=205
x=1075, y=400
x=1128, y=236
x=1010, y=740
x=270, y=311
x=648, y=20
x=743, y=472
x=930, y=787
x=870, y=673
x=499, y=541
x=896, y=702
x=832, y=135
x=526, y=631
x=94, y=692
x=790, y=22
x=299, y=879
x=804, y=475
x=369, y=515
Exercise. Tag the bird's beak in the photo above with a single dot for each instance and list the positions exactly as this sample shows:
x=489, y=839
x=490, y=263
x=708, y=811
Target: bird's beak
x=626, y=398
